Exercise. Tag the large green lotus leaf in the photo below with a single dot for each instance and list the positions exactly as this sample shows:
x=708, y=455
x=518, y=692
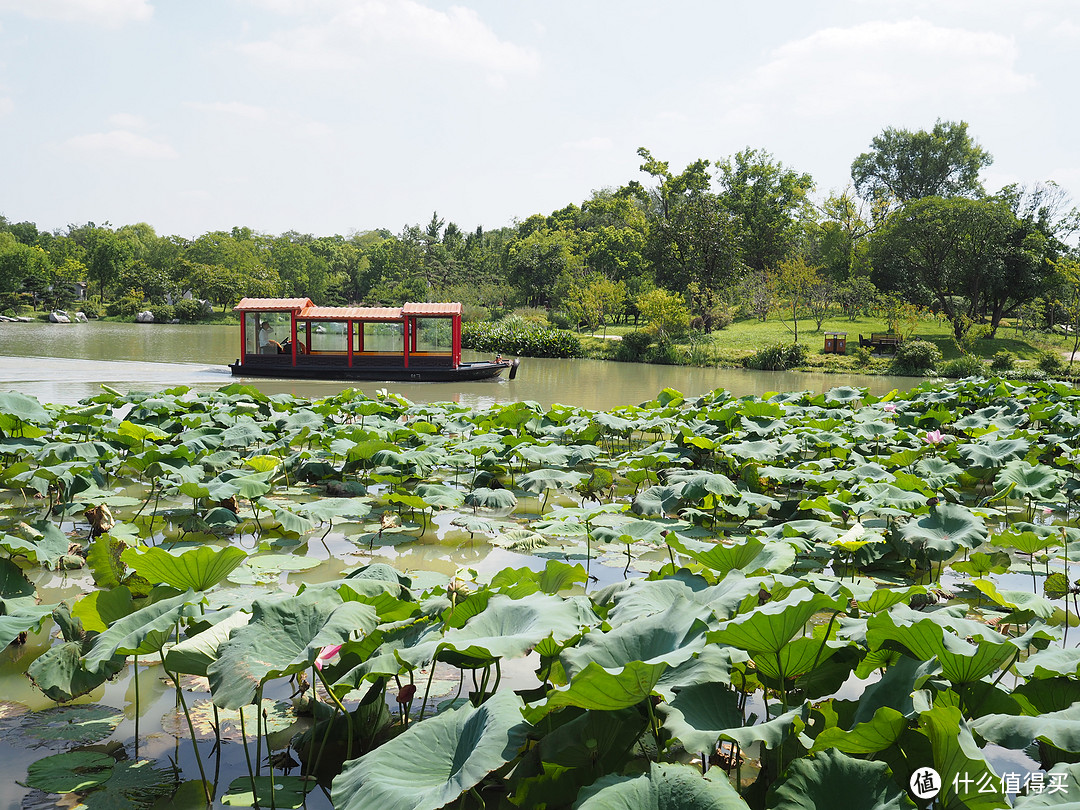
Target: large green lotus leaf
x=768, y=628
x=143, y=632
x=194, y=655
x=937, y=472
x=325, y=509
x=14, y=585
x=283, y=637
x=1029, y=480
x=23, y=619
x=83, y=724
x=955, y=752
x=700, y=714
x=1021, y=601
x=889, y=495
x=539, y=481
x=658, y=500
x=712, y=665
x=491, y=498
x=877, y=734
x=994, y=454
x=509, y=628
x=638, y=598
x=277, y=791
x=266, y=568
x=1060, y=729
x=1066, y=781
x=197, y=568
x=441, y=496
x=556, y=576
x=796, y=658
x=435, y=760
x=884, y=598
x=70, y=772
x=763, y=451
x=1051, y=662
x=23, y=408
x=60, y=674
x=597, y=688
x=939, y=535
x=833, y=779
x=751, y=556
x=99, y=609
x=664, y=787
x=43, y=543
x=697, y=484
x=671, y=637
x=961, y=661
x=133, y=784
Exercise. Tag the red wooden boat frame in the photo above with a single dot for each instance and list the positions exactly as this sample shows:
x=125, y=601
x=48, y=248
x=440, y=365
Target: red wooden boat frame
x=301, y=355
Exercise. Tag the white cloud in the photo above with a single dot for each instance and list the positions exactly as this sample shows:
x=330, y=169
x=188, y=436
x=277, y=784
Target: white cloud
x=108, y=13
x=346, y=34
x=6, y=106
x=237, y=109
x=122, y=143
x=879, y=64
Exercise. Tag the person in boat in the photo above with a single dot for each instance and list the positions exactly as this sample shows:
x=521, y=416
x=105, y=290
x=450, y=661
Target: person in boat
x=267, y=345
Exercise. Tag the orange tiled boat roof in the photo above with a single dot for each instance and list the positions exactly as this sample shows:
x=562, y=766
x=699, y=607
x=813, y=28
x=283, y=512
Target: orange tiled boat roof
x=307, y=310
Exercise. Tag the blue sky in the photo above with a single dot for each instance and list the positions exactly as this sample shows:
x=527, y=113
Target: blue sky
x=334, y=116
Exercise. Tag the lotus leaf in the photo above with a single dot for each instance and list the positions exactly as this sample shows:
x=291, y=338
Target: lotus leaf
x=940, y=534
x=197, y=569
x=266, y=791
x=833, y=779
x=956, y=752
x=434, y=761
x=283, y=637
x=664, y=787
x=508, y=628
x=596, y=688
x=140, y=633
x=769, y=628
x=70, y=772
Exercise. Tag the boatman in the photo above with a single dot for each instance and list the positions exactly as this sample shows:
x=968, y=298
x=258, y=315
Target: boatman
x=266, y=344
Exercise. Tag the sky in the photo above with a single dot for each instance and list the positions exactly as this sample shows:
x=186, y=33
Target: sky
x=342, y=116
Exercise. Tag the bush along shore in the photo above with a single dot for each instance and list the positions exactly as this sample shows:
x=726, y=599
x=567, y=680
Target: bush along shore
x=724, y=602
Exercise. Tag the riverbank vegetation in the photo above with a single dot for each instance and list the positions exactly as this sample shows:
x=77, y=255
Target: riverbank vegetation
x=737, y=602
x=914, y=244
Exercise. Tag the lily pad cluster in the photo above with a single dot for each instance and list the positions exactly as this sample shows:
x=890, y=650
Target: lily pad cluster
x=801, y=600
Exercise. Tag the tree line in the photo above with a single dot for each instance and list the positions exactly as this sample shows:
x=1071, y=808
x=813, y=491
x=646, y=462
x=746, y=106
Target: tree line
x=739, y=237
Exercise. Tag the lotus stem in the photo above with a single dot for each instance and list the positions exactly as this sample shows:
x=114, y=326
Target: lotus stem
x=136, y=676
x=247, y=754
x=344, y=711
x=191, y=730
x=427, y=689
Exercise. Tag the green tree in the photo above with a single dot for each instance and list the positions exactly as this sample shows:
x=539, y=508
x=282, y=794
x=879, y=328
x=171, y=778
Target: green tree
x=799, y=283
x=109, y=255
x=766, y=200
x=666, y=314
x=535, y=263
x=969, y=258
x=902, y=166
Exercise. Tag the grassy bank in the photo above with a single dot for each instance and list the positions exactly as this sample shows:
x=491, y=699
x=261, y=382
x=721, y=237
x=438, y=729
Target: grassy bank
x=729, y=347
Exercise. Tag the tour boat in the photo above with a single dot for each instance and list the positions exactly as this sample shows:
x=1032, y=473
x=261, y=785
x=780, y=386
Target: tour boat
x=293, y=338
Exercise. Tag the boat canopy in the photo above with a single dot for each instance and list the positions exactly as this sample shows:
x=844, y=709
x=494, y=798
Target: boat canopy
x=305, y=309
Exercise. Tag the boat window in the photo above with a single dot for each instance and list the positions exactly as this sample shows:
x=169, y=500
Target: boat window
x=434, y=335
x=257, y=339
x=329, y=336
x=383, y=337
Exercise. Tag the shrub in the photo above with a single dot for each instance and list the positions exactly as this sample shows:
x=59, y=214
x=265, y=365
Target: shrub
x=778, y=357
x=863, y=356
x=634, y=346
x=966, y=366
x=90, y=308
x=474, y=312
x=163, y=313
x=561, y=319
x=514, y=336
x=126, y=307
x=665, y=353
x=1003, y=361
x=188, y=310
x=916, y=357
x=1052, y=363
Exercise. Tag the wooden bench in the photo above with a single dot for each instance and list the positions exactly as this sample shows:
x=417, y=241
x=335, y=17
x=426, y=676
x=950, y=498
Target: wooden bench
x=881, y=340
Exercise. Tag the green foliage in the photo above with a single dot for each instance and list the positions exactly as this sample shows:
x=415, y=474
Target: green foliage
x=967, y=365
x=1051, y=363
x=189, y=310
x=665, y=312
x=778, y=357
x=519, y=338
x=163, y=313
x=634, y=346
x=916, y=357
x=1003, y=361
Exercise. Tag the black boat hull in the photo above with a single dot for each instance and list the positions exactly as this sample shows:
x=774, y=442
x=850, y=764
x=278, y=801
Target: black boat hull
x=465, y=372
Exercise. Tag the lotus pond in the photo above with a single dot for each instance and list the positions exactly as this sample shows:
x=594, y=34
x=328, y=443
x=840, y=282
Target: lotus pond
x=712, y=602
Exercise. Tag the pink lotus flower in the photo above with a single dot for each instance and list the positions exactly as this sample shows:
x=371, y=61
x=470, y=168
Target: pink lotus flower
x=326, y=654
x=934, y=437
x=889, y=407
